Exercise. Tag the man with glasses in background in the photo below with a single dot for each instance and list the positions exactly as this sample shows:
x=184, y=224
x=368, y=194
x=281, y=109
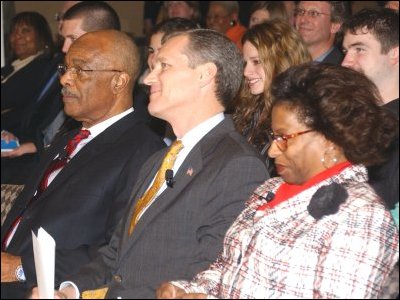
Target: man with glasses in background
x=318, y=22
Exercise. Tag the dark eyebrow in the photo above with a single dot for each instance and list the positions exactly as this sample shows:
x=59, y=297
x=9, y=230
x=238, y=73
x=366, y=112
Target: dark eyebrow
x=357, y=44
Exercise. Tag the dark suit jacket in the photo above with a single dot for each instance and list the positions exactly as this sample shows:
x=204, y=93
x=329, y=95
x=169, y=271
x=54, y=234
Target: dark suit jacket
x=82, y=206
x=17, y=170
x=18, y=93
x=47, y=106
x=334, y=58
x=181, y=233
x=384, y=178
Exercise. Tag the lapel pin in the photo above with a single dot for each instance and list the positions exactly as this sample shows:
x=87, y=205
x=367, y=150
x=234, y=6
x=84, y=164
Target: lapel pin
x=189, y=172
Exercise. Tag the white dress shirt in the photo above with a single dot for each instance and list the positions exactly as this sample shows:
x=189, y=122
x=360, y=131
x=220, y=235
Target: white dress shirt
x=94, y=131
x=189, y=140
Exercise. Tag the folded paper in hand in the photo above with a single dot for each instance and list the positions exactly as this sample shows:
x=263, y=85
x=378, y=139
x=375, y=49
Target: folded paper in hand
x=44, y=252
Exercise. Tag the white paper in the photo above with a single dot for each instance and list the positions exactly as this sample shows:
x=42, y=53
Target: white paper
x=44, y=252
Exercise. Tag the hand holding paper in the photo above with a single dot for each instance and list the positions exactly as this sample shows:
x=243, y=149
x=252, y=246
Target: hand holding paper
x=44, y=252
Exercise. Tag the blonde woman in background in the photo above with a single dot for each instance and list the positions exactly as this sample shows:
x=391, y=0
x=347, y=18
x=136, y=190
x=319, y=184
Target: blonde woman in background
x=268, y=50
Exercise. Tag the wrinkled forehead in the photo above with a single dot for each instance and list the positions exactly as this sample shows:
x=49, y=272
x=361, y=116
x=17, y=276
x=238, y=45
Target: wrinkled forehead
x=87, y=50
x=175, y=44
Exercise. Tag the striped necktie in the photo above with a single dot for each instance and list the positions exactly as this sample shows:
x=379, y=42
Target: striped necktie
x=56, y=164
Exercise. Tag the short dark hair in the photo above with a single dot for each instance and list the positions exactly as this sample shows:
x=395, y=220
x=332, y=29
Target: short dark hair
x=342, y=105
x=206, y=46
x=174, y=25
x=39, y=25
x=97, y=15
x=383, y=24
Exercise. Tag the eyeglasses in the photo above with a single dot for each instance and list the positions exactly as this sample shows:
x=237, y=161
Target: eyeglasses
x=77, y=71
x=281, y=139
x=310, y=13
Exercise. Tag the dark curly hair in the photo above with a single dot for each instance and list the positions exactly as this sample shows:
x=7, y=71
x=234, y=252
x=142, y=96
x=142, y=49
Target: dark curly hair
x=341, y=104
x=383, y=24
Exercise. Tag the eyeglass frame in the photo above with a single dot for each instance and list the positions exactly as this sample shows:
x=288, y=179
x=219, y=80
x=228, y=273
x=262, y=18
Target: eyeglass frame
x=312, y=13
x=278, y=138
x=62, y=69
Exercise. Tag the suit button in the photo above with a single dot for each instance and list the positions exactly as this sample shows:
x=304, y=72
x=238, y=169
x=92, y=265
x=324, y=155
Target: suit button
x=118, y=278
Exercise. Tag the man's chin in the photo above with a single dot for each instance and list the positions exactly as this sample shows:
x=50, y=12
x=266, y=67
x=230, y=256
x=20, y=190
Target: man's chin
x=155, y=113
x=70, y=112
x=153, y=110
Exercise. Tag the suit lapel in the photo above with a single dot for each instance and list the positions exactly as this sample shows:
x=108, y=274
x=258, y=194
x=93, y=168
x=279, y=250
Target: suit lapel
x=150, y=169
x=182, y=179
x=190, y=168
x=52, y=153
x=99, y=144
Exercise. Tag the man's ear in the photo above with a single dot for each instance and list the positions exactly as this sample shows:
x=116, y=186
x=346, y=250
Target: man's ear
x=335, y=27
x=207, y=73
x=119, y=82
x=394, y=56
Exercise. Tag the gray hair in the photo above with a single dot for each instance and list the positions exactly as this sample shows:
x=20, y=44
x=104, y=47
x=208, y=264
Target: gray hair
x=210, y=46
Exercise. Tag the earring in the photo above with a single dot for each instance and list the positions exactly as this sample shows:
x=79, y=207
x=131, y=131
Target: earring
x=232, y=23
x=329, y=159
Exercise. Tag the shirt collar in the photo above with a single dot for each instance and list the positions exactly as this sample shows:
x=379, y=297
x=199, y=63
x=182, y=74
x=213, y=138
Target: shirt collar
x=100, y=127
x=192, y=137
x=324, y=55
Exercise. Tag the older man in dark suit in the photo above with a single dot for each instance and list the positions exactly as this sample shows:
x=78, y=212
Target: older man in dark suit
x=188, y=195
x=79, y=192
x=45, y=119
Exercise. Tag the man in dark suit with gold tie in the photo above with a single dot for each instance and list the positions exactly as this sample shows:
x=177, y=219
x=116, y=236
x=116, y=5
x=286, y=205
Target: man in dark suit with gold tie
x=189, y=194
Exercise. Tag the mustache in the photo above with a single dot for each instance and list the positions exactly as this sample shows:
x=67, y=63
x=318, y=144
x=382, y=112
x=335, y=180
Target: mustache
x=66, y=92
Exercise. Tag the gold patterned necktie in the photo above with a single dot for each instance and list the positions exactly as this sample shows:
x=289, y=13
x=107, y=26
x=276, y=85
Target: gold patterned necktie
x=167, y=163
